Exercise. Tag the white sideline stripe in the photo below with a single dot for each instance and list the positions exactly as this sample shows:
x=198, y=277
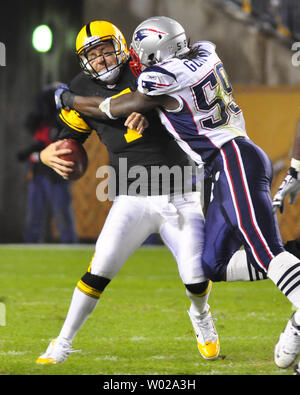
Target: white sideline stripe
x=47, y=246
x=190, y=338
x=12, y=352
x=138, y=339
x=107, y=358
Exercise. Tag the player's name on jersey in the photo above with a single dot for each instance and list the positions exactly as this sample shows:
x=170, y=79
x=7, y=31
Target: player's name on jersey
x=145, y=181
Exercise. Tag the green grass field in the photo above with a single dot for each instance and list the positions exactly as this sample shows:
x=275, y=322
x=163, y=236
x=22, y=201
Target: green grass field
x=140, y=326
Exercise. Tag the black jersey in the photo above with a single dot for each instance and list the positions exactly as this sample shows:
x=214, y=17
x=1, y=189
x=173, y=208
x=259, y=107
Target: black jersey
x=153, y=148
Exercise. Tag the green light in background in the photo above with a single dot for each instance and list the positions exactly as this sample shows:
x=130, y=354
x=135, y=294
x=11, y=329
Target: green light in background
x=42, y=38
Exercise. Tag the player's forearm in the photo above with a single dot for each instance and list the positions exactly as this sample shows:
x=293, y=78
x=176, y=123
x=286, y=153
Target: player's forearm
x=89, y=106
x=126, y=104
x=119, y=107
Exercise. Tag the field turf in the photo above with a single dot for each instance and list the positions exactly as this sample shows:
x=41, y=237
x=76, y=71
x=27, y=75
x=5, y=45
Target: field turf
x=140, y=326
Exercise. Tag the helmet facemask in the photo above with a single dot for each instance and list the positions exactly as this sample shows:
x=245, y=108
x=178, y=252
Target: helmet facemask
x=110, y=73
x=135, y=64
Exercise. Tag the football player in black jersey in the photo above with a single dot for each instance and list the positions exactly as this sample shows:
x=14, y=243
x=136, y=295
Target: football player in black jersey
x=175, y=215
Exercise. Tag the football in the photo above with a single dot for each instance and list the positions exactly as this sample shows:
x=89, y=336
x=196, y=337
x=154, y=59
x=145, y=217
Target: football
x=78, y=156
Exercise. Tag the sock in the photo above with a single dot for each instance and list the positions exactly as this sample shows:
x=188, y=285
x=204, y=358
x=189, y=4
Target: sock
x=239, y=269
x=80, y=308
x=284, y=271
x=199, y=302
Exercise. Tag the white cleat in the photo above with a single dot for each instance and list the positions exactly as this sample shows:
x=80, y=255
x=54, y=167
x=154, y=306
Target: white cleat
x=288, y=346
x=207, y=337
x=57, y=352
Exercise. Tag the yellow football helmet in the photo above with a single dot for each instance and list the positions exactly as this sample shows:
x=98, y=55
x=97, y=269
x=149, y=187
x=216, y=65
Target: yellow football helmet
x=90, y=36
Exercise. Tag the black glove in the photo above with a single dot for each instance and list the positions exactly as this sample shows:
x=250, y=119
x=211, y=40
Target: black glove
x=64, y=98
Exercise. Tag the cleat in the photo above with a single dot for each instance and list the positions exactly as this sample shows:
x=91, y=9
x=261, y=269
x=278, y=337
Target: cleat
x=57, y=352
x=288, y=346
x=206, y=334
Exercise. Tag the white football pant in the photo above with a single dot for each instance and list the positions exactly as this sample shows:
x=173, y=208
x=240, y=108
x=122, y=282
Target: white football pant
x=179, y=221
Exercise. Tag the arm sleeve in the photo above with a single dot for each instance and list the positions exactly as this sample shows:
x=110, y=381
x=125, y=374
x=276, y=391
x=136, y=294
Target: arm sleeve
x=73, y=126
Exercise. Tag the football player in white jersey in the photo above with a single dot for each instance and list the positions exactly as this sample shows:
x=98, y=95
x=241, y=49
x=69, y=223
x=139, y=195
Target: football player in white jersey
x=191, y=90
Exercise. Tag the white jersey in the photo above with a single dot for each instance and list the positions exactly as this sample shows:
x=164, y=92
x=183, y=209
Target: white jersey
x=207, y=116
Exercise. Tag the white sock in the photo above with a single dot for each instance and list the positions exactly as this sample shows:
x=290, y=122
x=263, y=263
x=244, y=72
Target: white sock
x=199, y=303
x=80, y=308
x=238, y=269
x=284, y=271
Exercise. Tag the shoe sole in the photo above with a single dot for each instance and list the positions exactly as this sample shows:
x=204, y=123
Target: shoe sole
x=46, y=361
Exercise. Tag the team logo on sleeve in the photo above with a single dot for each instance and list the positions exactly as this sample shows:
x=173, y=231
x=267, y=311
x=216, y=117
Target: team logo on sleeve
x=149, y=86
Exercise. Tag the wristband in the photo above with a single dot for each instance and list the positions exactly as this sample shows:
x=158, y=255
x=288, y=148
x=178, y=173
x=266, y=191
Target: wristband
x=105, y=107
x=295, y=163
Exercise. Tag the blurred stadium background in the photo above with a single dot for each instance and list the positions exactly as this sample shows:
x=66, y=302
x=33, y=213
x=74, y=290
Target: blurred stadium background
x=253, y=37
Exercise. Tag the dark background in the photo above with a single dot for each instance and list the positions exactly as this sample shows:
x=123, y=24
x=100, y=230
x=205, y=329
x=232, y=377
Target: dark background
x=25, y=73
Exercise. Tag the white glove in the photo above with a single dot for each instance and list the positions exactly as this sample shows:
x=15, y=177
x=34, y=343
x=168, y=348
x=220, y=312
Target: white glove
x=289, y=186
